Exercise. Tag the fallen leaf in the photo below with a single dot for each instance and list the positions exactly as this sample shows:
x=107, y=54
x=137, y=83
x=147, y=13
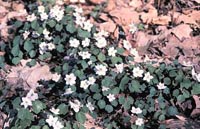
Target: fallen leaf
x=135, y=3
x=111, y=5
x=182, y=31
x=198, y=1
x=197, y=101
x=108, y=26
x=150, y=15
x=97, y=1
x=161, y=20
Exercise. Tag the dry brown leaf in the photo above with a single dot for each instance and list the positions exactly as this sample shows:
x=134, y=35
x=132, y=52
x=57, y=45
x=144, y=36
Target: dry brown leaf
x=125, y=16
x=111, y=5
x=182, y=31
x=97, y=1
x=148, y=17
x=197, y=100
x=109, y=26
x=161, y=20
x=90, y=123
x=135, y=3
x=30, y=76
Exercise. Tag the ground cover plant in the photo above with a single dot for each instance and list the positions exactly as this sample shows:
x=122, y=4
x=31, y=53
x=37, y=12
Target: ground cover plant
x=93, y=76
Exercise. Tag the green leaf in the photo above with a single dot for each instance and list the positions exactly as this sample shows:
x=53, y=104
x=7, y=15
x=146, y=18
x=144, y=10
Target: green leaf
x=71, y=28
x=15, y=50
x=63, y=109
x=60, y=48
x=24, y=114
x=196, y=89
x=59, y=27
x=2, y=59
x=80, y=117
x=83, y=34
x=32, y=53
x=16, y=41
x=101, y=57
x=31, y=63
x=38, y=106
x=172, y=111
x=45, y=127
x=186, y=83
x=123, y=82
x=16, y=60
x=167, y=81
x=101, y=104
x=181, y=98
x=116, y=60
x=122, y=100
x=18, y=24
x=16, y=102
x=109, y=108
x=35, y=127
x=97, y=96
x=107, y=81
x=52, y=23
x=35, y=25
x=28, y=45
x=135, y=86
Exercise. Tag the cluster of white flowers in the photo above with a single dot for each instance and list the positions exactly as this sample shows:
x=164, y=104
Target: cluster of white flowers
x=100, y=39
x=31, y=17
x=74, y=43
x=161, y=86
x=85, y=55
x=111, y=97
x=30, y=97
x=136, y=110
x=53, y=121
x=70, y=79
x=57, y=12
x=75, y=105
x=43, y=47
x=101, y=70
x=86, y=83
x=43, y=14
x=90, y=106
x=112, y=51
x=87, y=25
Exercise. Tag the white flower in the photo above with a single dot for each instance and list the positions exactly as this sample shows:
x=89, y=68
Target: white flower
x=120, y=67
x=45, y=32
x=31, y=17
x=26, y=34
x=51, y=46
x=91, y=80
x=87, y=25
x=137, y=72
x=139, y=121
x=58, y=125
x=47, y=37
x=195, y=75
x=26, y=102
x=147, y=77
x=112, y=51
x=89, y=62
x=70, y=79
x=73, y=1
x=56, y=77
x=78, y=10
x=41, y=9
x=134, y=52
x=82, y=1
x=100, y=70
x=105, y=88
x=51, y=120
x=161, y=86
x=133, y=28
x=43, y=16
x=43, y=47
x=79, y=20
x=90, y=106
x=57, y=12
x=101, y=42
x=84, y=84
x=85, y=55
x=59, y=2
x=86, y=42
x=136, y=110
x=111, y=97
x=102, y=33
x=127, y=45
x=68, y=91
x=74, y=43
x=32, y=95
x=55, y=111
x=76, y=105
